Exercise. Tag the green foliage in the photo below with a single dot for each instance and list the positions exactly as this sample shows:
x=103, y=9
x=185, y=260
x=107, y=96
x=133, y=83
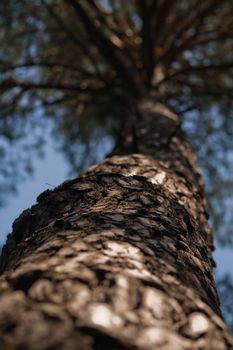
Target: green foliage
x=83, y=64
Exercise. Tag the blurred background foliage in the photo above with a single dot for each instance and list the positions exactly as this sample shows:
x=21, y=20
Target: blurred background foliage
x=83, y=64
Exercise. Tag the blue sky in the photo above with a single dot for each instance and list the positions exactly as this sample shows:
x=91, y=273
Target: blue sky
x=50, y=171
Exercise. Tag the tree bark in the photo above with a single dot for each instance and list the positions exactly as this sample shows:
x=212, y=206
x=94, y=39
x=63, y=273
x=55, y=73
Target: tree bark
x=119, y=258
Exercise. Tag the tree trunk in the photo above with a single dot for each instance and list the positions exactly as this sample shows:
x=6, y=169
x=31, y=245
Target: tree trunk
x=119, y=258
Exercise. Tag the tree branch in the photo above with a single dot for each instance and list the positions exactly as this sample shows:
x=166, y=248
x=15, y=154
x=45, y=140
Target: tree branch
x=107, y=49
x=147, y=42
x=206, y=91
x=75, y=40
x=5, y=67
x=117, y=32
x=11, y=83
x=195, y=15
x=202, y=69
x=160, y=12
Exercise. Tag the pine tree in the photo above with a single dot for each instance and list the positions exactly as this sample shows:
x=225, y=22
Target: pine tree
x=121, y=257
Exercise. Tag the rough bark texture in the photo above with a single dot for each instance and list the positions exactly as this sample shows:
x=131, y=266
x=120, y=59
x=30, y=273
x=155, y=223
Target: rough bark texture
x=119, y=258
